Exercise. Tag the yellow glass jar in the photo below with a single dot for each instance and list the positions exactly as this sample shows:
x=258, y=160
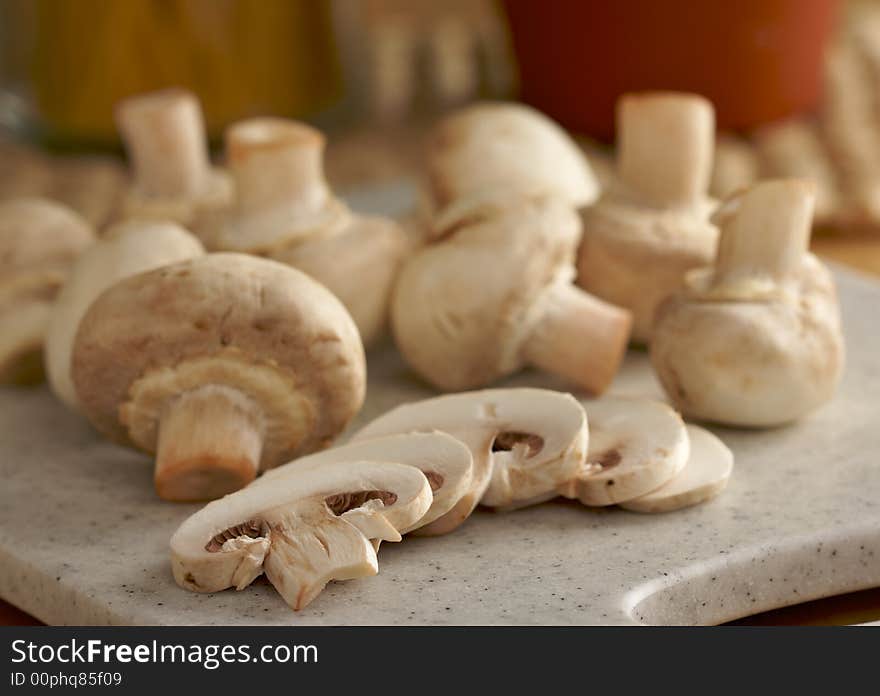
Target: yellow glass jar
x=70, y=61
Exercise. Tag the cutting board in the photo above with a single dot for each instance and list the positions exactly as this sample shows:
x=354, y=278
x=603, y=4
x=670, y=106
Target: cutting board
x=84, y=540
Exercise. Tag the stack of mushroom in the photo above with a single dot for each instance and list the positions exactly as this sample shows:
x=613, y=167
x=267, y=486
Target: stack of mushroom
x=173, y=180
x=39, y=241
x=493, y=289
x=223, y=365
x=125, y=249
x=285, y=210
x=755, y=339
x=652, y=225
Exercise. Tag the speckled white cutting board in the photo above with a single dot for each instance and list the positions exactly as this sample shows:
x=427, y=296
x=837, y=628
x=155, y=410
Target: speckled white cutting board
x=83, y=539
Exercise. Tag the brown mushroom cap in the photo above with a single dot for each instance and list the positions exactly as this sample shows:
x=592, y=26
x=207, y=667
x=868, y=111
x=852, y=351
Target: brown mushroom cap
x=260, y=327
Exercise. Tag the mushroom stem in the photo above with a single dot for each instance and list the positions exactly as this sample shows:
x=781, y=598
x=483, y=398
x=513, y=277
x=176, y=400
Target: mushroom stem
x=665, y=142
x=164, y=134
x=765, y=232
x=579, y=337
x=276, y=162
x=210, y=441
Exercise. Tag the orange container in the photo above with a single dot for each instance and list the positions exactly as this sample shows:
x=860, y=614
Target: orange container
x=757, y=60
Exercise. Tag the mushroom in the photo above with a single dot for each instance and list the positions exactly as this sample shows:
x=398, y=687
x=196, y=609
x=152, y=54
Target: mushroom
x=446, y=462
x=636, y=445
x=524, y=442
x=495, y=294
x=653, y=226
x=164, y=135
x=704, y=476
x=496, y=146
x=222, y=365
x=125, y=249
x=285, y=210
x=313, y=525
x=754, y=340
x=39, y=240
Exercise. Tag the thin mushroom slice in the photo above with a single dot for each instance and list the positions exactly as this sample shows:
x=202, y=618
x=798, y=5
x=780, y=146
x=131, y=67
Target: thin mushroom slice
x=636, y=445
x=312, y=526
x=525, y=442
x=706, y=474
x=446, y=462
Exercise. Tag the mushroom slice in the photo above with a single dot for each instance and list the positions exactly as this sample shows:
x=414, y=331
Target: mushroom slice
x=446, y=462
x=312, y=526
x=636, y=445
x=525, y=442
x=706, y=474
x=222, y=365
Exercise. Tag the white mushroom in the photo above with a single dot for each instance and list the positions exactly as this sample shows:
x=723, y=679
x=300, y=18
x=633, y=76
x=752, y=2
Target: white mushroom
x=446, y=462
x=39, y=241
x=525, y=442
x=495, y=294
x=222, y=365
x=285, y=210
x=704, y=476
x=754, y=340
x=164, y=135
x=653, y=225
x=503, y=147
x=125, y=249
x=313, y=525
x=636, y=445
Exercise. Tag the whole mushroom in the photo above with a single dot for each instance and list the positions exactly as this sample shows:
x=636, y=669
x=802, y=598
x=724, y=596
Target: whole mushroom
x=39, y=241
x=285, y=210
x=754, y=340
x=126, y=249
x=495, y=146
x=495, y=293
x=652, y=225
x=164, y=136
x=222, y=365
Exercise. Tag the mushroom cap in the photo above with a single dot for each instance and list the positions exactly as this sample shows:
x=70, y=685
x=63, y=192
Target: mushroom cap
x=507, y=146
x=636, y=257
x=525, y=442
x=39, y=239
x=358, y=264
x=229, y=319
x=705, y=475
x=311, y=518
x=751, y=363
x=636, y=445
x=125, y=249
x=446, y=462
x=462, y=309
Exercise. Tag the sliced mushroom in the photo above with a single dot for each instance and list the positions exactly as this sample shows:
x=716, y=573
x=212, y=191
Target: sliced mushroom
x=125, y=250
x=313, y=525
x=446, y=462
x=222, y=365
x=704, y=476
x=164, y=135
x=495, y=294
x=653, y=226
x=525, y=442
x=754, y=340
x=285, y=210
x=504, y=147
x=636, y=445
x=39, y=241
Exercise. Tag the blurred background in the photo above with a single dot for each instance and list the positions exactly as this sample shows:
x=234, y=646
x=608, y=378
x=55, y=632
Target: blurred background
x=796, y=84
